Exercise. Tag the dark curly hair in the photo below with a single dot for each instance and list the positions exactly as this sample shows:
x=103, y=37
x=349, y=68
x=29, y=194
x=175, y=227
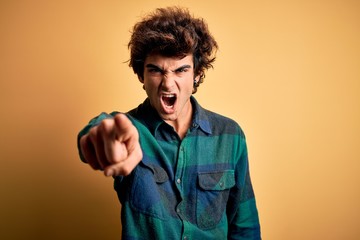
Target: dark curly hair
x=172, y=32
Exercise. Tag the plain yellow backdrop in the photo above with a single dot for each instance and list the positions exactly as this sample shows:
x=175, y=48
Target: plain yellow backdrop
x=287, y=71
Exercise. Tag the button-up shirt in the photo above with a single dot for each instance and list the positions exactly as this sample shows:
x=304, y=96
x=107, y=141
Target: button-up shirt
x=197, y=187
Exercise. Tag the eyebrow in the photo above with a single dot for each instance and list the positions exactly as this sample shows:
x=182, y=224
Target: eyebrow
x=149, y=65
x=183, y=67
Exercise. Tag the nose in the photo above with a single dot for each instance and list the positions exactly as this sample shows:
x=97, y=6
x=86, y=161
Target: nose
x=168, y=81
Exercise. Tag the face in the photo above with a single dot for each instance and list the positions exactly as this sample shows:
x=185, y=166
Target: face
x=168, y=82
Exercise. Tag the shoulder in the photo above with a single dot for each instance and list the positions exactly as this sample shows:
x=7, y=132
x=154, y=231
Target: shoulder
x=221, y=124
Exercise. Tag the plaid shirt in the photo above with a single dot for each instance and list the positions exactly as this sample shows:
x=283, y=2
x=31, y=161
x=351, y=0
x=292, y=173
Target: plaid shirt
x=195, y=188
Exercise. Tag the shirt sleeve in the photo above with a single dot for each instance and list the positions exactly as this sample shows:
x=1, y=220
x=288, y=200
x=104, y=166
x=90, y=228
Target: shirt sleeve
x=242, y=211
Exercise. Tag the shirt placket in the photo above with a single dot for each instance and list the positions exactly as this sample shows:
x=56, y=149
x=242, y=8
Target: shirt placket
x=180, y=184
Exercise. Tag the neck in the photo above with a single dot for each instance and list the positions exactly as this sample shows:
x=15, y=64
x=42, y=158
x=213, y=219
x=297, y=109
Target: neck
x=180, y=129
x=182, y=123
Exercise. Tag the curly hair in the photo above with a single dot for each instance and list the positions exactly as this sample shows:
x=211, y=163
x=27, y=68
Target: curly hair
x=172, y=32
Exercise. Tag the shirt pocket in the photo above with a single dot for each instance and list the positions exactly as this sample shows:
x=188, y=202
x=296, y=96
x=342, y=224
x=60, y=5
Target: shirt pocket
x=146, y=194
x=212, y=197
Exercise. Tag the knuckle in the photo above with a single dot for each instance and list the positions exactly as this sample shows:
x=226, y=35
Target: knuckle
x=106, y=128
x=93, y=133
x=105, y=124
x=83, y=141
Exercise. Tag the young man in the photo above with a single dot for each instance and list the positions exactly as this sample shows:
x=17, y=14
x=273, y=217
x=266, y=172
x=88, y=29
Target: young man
x=181, y=172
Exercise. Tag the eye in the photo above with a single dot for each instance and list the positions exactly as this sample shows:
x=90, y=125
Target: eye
x=154, y=70
x=182, y=70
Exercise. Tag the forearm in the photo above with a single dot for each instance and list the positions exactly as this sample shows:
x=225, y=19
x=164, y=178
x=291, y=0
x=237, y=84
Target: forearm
x=242, y=211
x=245, y=224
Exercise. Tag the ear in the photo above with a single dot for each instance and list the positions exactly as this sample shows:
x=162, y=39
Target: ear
x=197, y=78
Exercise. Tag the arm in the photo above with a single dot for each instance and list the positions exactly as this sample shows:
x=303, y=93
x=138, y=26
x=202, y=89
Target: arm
x=110, y=143
x=242, y=211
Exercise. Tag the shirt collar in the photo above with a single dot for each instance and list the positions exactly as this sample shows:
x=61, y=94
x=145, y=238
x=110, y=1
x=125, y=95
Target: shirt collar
x=200, y=117
x=149, y=116
x=152, y=119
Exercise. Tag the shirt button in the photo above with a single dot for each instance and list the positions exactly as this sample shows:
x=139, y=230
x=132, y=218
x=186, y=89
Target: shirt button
x=186, y=238
x=178, y=180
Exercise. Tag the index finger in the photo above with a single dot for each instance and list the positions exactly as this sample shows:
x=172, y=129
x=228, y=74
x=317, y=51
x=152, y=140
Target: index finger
x=124, y=127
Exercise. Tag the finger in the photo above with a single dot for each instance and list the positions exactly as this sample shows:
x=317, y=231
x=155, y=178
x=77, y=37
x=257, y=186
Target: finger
x=125, y=167
x=127, y=132
x=124, y=127
x=98, y=143
x=128, y=135
x=88, y=151
x=114, y=149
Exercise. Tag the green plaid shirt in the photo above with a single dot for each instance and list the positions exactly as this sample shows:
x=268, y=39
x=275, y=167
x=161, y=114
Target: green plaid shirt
x=195, y=188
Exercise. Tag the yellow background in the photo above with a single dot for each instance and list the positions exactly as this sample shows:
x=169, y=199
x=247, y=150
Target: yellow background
x=287, y=71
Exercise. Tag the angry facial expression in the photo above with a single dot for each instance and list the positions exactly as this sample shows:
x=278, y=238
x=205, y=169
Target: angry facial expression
x=169, y=82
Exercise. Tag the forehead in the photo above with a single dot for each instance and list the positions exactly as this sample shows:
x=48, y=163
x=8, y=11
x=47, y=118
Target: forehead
x=162, y=61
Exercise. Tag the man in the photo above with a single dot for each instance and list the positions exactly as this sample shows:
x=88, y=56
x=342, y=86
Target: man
x=181, y=172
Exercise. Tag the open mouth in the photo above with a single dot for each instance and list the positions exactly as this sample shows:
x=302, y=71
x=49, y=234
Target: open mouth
x=169, y=100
